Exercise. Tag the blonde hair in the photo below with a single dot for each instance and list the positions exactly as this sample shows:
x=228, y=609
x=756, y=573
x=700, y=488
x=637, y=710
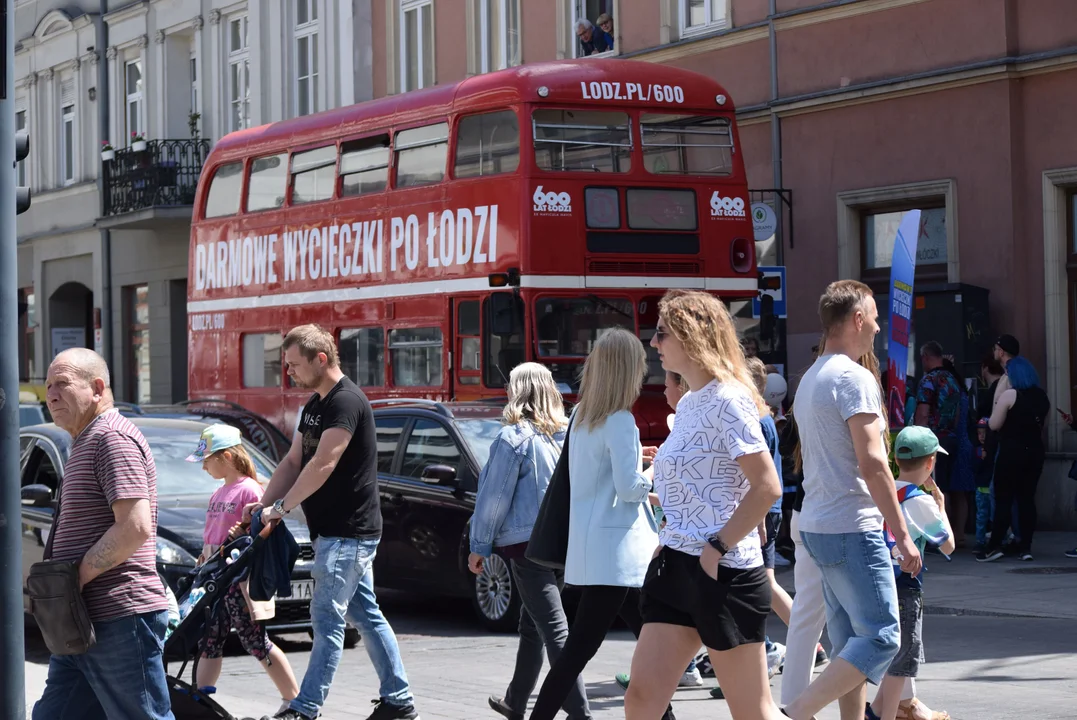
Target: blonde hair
x=704, y=328
x=240, y=459
x=312, y=340
x=533, y=396
x=612, y=377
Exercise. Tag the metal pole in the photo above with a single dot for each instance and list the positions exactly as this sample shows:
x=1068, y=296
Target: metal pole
x=776, y=133
x=103, y=106
x=12, y=670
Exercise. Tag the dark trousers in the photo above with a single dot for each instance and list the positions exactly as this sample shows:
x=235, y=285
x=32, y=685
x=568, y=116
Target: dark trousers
x=542, y=624
x=1017, y=474
x=599, y=606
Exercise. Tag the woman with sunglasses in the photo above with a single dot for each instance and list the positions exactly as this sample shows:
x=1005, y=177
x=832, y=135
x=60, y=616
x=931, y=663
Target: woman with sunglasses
x=716, y=481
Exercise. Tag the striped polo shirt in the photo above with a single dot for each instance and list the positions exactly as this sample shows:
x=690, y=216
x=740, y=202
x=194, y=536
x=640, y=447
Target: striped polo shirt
x=109, y=461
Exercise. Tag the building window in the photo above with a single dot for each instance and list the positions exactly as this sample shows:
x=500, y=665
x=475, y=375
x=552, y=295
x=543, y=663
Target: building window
x=133, y=84
x=20, y=168
x=417, y=44
x=415, y=354
x=262, y=360
x=28, y=324
x=497, y=27
x=879, y=229
x=590, y=10
x=306, y=57
x=67, y=144
x=702, y=15
x=138, y=342
x=362, y=356
x=239, y=71
x=1071, y=282
x=194, y=82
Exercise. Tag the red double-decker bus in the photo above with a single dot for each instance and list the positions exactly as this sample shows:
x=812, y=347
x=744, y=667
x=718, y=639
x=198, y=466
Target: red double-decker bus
x=448, y=234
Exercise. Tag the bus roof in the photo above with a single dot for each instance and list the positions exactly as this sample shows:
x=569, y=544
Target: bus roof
x=606, y=82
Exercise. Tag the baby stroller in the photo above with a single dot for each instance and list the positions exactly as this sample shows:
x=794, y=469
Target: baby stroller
x=199, y=598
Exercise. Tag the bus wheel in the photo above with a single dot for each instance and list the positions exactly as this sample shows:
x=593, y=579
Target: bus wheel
x=495, y=597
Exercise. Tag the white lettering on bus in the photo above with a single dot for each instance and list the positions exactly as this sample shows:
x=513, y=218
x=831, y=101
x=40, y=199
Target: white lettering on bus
x=454, y=237
x=632, y=91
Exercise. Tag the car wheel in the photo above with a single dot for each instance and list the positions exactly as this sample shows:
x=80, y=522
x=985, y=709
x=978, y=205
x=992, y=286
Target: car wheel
x=495, y=597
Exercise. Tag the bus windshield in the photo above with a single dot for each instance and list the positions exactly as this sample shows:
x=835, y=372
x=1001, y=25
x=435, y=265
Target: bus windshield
x=569, y=327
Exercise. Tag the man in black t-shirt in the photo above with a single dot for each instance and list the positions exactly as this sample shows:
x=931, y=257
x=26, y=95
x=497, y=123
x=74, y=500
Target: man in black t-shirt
x=331, y=470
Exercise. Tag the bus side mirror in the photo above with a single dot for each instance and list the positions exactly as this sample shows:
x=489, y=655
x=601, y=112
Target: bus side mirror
x=503, y=313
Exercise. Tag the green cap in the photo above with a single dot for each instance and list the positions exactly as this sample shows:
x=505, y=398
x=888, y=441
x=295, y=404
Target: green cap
x=215, y=438
x=916, y=441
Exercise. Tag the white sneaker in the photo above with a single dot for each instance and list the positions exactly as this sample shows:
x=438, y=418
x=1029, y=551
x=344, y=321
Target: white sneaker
x=692, y=678
x=775, y=659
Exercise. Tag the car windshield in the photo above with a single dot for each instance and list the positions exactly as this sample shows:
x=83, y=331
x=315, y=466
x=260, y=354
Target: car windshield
x=176, y=476
x=479, y=435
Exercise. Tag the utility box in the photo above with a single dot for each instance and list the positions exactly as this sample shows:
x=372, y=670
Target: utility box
x=956, y=316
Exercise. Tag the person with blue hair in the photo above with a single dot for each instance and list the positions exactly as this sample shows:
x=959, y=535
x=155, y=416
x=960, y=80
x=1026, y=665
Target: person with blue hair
x=1018, y=417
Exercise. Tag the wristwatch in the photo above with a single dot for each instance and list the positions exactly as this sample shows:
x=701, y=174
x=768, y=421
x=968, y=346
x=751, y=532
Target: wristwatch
x=279, y=507
x=717, y=544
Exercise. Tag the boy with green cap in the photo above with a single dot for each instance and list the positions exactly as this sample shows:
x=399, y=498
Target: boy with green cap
x=924, y=508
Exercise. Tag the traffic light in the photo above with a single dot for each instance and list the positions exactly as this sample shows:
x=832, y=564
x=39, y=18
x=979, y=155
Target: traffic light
x=22, y=193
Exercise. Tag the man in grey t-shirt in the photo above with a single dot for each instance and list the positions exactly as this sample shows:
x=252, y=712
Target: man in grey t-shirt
x=848, y=493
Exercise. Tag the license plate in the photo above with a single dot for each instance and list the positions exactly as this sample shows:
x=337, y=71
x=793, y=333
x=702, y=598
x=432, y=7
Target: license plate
x=301, y=590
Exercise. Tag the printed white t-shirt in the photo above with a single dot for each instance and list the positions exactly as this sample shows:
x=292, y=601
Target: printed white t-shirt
x=696, y=474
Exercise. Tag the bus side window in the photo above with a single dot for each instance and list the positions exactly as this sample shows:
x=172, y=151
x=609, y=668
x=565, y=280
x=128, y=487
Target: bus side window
x=362, y=356
x=224, y=190
x=313, y=174
x=416, y=354
x=420, y=155
x=503, y=336
x=269, y=181
x=262, y=360
x=487, y=144
x=364, y=166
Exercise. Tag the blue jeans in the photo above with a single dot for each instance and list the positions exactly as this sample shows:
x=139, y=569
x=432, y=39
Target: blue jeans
x=860, y=593
x=344, y=591
x=985, y=510
x=121, y=676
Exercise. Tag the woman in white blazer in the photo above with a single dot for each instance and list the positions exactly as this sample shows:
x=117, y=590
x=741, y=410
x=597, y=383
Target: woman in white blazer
x=612, y=532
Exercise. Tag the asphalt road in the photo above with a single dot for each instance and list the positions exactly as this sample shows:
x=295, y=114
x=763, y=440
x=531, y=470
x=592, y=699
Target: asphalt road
x=979, y=668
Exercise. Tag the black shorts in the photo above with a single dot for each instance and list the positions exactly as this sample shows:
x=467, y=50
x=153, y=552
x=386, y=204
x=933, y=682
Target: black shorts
x=727, y=612
x=773, y=524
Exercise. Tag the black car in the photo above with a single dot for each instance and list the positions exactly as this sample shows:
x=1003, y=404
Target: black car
x=429, y=458
x=183, y=491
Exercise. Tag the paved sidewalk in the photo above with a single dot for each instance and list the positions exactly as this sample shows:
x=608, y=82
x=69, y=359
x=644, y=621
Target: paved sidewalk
x=1045, y=588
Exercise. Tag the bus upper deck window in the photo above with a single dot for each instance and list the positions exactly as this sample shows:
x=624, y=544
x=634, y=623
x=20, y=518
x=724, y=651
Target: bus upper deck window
x=686, y=144
x=269, y=181
x=224, y=189
x=364, y=165
x=420, y=155
x=313, y=174
x=487, y=144
x=582, y=140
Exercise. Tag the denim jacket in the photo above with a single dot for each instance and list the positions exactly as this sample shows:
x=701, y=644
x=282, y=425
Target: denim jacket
x=512, y=485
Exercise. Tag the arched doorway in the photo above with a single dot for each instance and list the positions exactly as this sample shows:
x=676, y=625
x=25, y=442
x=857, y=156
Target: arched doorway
x=70, y=318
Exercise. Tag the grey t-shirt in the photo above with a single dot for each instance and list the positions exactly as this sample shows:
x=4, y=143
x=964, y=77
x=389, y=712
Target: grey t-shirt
x=836, y=498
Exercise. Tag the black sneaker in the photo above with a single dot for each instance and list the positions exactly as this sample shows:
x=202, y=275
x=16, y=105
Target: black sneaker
x=499, y=706
x=288, y=714
x=384, y=711
x=1071, y=553
x=1027, y=557
x=820, y=656
x=989, y=555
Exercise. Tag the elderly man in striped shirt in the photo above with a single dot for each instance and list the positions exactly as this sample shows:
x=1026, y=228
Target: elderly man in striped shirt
x=107, y=523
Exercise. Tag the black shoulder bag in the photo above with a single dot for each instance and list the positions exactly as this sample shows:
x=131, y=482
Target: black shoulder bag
x=57, y=603
x=548, y=545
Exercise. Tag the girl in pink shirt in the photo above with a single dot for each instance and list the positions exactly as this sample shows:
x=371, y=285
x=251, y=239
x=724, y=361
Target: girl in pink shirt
x=221, y=452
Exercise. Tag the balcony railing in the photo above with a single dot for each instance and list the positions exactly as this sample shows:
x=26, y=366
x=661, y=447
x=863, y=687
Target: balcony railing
x=165, y=174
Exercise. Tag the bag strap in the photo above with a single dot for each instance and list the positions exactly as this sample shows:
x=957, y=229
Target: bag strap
x=55, y=522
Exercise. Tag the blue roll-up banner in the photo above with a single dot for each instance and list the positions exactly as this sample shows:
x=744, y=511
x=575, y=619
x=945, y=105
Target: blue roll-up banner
x=902, y=273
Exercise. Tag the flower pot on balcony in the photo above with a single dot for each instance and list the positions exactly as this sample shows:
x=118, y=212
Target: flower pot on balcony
x=107, y=155
x=138, y=145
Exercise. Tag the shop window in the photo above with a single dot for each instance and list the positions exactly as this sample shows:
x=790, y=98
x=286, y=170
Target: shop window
x=362, y=356
x=137, y=310
x=262, y=360
x=416, y=356
x=224, y=190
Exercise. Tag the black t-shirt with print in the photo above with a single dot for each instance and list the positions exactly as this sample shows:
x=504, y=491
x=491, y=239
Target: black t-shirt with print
x=347, y=504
